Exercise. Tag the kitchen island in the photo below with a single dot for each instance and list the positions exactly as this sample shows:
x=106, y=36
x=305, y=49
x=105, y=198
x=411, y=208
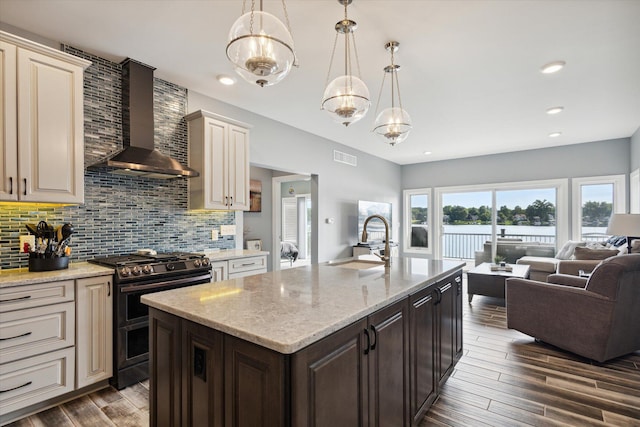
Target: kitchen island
x=329, y=344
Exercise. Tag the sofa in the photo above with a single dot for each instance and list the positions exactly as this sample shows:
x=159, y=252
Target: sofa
x=595, y=317
x=576, y=257
x=513, y=249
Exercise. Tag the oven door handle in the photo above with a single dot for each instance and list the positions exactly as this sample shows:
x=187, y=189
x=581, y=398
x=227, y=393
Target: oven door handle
x=204, y=278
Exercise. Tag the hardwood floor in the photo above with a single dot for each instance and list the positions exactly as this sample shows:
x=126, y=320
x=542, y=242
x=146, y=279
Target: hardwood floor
x=504, y=378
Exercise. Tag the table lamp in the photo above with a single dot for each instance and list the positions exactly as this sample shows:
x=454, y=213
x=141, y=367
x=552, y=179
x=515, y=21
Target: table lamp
x=627, y=225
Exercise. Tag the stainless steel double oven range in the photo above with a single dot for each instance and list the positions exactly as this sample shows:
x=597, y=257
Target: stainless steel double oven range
x=134, y=276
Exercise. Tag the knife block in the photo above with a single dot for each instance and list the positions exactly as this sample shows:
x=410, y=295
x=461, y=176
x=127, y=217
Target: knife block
x=48, y=264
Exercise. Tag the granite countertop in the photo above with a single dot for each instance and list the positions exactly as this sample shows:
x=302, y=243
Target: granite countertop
x=76, y=270
x=290, y=309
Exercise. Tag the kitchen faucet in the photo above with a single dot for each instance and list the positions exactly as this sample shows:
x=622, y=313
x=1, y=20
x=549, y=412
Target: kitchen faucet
x=386, y=258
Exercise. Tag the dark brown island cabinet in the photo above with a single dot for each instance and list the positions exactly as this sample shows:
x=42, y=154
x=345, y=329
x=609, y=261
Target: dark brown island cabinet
x=383, y=370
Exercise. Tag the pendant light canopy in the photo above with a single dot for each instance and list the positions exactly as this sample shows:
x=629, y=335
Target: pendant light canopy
x=261, y=47
x=392, y=124
x=346, y=98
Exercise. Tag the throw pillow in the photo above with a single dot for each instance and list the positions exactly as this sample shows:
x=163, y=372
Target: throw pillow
x=566, y=251
x=597, y=254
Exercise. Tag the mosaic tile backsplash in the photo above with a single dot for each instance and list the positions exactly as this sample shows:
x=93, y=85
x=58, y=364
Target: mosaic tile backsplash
x=122, y=214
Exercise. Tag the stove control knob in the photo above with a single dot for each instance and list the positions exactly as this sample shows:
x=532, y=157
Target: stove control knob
x=205, y=261
x=171, y=267
x=197, y=263
x=125, y=271
x=147, y=269
x=136, y=271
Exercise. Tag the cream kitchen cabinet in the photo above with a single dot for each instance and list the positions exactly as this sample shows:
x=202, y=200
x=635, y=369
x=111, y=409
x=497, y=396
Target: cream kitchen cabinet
x=243, y=267
x=219, y=271
x=219, y=150
x=37, y=357
x=94, y=344
x=41, y=122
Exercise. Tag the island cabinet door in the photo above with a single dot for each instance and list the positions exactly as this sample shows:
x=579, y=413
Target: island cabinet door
x=389, y=366
x=202, y=376
x=164, y=368
x=445, y=309
x=329, y=380
x=254, y=379
x=422, y=344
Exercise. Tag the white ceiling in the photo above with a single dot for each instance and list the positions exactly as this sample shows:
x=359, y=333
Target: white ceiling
x=470, y=68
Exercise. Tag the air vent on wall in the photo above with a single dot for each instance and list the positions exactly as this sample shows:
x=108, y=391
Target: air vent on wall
x=347, y=159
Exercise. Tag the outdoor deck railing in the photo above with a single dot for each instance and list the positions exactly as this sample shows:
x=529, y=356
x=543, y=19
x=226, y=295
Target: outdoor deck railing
x=464, y=245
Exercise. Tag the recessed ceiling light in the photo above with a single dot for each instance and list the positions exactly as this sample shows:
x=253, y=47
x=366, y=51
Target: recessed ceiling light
x=226, y=80
x=554, y=110
x=555, y=134
x=552, y=67
x=427, y=153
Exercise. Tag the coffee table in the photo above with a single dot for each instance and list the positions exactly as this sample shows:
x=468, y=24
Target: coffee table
x=481, y=280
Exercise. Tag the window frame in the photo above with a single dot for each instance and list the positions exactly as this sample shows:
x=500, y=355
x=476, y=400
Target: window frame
x=619, y=198
x=406, y=229
x=562, y=205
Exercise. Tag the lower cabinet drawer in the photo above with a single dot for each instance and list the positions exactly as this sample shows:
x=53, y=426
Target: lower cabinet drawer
x=247, y=266
x=28, y=332
x=40, y=294
x=36, y=379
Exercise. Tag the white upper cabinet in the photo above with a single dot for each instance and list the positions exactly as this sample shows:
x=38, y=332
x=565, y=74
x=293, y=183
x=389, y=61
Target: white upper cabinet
x=219, y=150
x=41, y=123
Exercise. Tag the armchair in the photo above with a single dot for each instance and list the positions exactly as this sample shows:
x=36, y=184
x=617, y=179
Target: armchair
x=597, y=318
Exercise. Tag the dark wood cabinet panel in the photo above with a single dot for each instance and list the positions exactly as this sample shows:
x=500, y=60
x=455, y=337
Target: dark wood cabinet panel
x=422, y=357
x=164, y=369
x=457, y=280
x=202, y=376
x=389, y=366
x=329, y=380
x=254, y=385
x=446, y=328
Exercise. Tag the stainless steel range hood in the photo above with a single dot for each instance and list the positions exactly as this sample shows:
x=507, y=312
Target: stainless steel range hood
x=139, y=157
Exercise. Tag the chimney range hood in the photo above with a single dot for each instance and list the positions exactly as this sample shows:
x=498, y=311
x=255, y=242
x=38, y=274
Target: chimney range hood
x=139, y=157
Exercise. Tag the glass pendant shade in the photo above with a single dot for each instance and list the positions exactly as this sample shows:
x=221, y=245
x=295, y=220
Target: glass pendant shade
x=393, y=125
x=346, y=99
x=260, y=48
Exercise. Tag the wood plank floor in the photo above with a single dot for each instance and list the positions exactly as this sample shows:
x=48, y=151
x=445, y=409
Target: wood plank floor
x=503, y=379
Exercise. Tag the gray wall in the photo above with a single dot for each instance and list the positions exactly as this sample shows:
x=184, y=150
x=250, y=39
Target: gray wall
x=281, y=147
x=608, y=157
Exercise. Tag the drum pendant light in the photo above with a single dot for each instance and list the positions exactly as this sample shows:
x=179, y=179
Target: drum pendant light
x=346, y=98
x=392, y=124
x=261, y=47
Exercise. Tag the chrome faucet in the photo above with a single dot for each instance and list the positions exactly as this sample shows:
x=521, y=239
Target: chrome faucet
x=386, y=258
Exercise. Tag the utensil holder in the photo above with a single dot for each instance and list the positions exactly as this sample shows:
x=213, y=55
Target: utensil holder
x=48, y=264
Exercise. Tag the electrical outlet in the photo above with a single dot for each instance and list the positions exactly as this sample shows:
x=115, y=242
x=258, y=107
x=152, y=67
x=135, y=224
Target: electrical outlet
x=214, y=234
x=227, y=230
x=30, y=239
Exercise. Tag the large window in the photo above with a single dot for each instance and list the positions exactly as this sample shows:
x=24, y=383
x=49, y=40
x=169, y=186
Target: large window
x=417, y=233
x=469, y=216
x=594, y=200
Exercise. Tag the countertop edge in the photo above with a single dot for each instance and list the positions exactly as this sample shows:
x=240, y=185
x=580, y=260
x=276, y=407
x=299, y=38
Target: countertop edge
x=76, y=270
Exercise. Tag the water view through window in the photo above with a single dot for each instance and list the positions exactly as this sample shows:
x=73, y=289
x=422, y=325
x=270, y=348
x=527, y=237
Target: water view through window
x=525, y=214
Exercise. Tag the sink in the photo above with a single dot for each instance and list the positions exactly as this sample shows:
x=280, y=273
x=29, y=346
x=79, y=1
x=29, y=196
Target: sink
x=357, y=264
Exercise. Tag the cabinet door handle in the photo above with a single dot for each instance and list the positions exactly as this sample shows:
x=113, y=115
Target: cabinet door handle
x=26, y=334
x=366, y=348
x=15, y=388
x=109, y=288
x=25, y=186
x=375, y=337
x=15, y=299
x=438, y=296
x=231, y=201
x=10, y=185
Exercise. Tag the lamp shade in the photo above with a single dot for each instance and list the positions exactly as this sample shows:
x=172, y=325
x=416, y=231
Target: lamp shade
x=393, y=124
x=346, y=99
x=260, y=48
x=624, y=225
